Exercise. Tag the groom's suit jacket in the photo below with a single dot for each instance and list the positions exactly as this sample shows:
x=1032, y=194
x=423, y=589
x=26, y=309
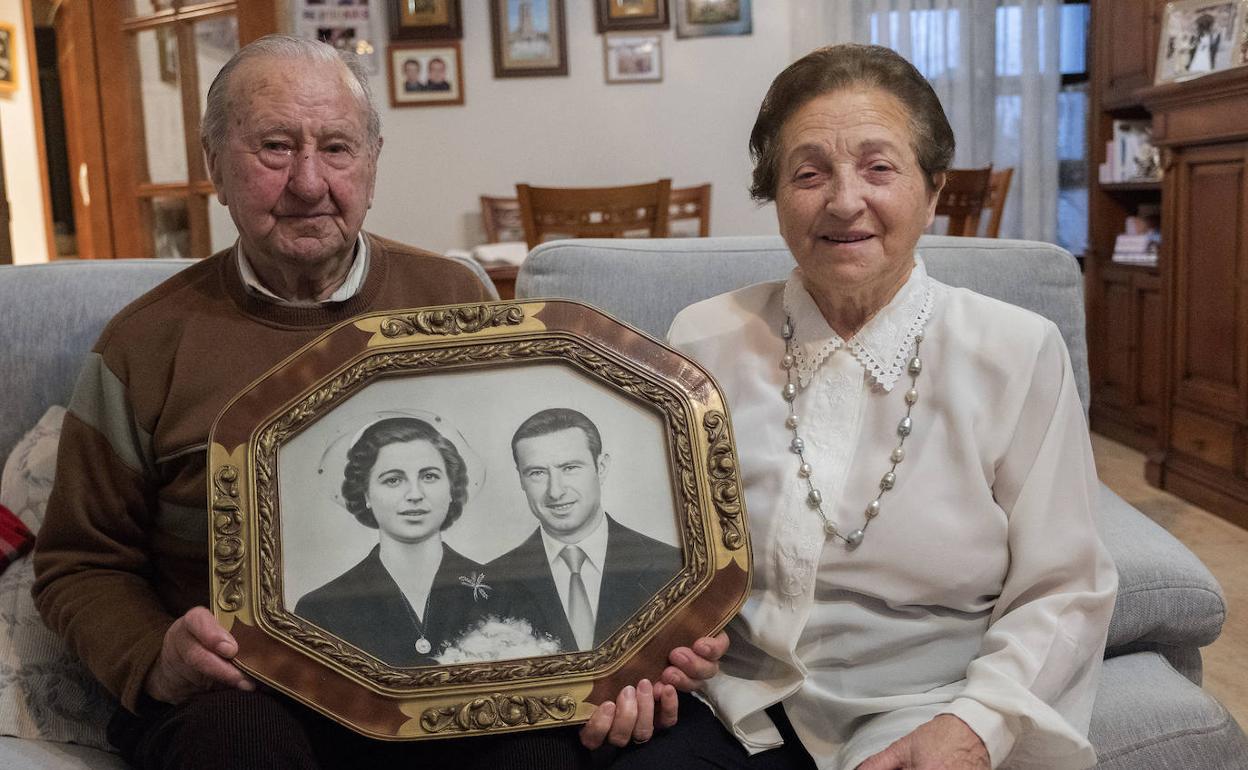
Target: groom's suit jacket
x=636, y=567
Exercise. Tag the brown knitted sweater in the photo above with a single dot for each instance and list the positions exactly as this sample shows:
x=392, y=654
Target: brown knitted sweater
x=123, y=550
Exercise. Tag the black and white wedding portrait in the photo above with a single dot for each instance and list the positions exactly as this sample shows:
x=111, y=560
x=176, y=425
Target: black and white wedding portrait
x=477, y=515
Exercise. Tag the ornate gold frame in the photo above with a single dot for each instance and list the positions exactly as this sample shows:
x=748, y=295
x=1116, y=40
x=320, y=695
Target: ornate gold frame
x=377, y=699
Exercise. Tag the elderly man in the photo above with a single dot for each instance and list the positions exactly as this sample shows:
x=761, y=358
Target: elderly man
x=292, y=141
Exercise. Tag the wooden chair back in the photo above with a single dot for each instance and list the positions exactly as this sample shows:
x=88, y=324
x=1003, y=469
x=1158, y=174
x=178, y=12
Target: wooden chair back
x=998, y=188
x=962, y=199
x=594, y=212
x=692, y=203
x=501, y=219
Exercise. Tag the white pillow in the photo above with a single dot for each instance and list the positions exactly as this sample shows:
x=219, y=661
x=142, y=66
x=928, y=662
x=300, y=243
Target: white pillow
x=27, y=478
x=45, y=691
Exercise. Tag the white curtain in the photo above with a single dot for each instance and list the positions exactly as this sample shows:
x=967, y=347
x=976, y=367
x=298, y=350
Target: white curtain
x=995, y=66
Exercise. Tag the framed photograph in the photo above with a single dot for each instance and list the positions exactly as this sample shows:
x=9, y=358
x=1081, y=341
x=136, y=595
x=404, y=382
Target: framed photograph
x=8, y=59
x=704, y=18
x=1199, y=37
x=384, y=504
x=424, y=19
x=623, y=15
x=529, y=38
x=167, y=54
x=633, y=58
x=426, y=74
x=709, y=18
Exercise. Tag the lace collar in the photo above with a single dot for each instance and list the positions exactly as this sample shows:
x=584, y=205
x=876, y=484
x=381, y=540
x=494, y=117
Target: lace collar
x=882, y=346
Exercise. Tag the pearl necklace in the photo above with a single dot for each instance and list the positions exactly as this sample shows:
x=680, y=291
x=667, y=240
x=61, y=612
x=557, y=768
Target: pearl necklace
x=814, y=498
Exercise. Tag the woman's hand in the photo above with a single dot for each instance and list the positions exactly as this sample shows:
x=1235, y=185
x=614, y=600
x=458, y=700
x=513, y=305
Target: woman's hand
x=944, y=743
x=691, y=667
x=638, y=711
x=633, y=716
x=195, y=657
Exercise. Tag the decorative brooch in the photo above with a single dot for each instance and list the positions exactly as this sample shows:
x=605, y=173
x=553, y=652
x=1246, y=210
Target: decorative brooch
x=476, y=581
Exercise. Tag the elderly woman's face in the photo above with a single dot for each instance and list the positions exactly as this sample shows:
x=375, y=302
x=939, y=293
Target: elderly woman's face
x=296, y=170
x=409, y=491
x=851, y=197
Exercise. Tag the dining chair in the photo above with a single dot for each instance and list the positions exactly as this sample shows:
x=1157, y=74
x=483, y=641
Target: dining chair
x=500, y=217
x=692, y=203
x=962, y=199
x=998, y=188
x=594, y=212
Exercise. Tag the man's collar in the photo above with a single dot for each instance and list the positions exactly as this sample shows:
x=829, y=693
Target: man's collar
x=351, y=284
x=594, y=544
x=882, y=346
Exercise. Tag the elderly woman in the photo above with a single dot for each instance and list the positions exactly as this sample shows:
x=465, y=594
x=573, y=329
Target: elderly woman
x=929, y=588
x=407, y=481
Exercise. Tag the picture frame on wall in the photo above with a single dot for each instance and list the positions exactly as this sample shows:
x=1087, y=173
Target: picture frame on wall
x=167, y=54
x=633, y=58
x=8, y=61
x=708, y=18
x=428, y=74
x=627, y=15
x=425, y=19
x=434, y=428
x=1199, y=37
x=529, y=38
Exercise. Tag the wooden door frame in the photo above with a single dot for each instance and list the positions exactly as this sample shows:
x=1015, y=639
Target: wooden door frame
x=120, y=228
x=36, y=105
x=84, y=130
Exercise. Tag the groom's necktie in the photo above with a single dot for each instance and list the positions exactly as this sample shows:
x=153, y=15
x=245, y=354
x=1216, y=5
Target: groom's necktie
x=580, y=615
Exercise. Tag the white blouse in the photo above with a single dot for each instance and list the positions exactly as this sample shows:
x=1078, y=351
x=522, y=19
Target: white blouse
x=981, y=590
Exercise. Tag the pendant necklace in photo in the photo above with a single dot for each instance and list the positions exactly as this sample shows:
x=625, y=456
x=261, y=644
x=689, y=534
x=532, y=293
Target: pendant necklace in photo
x=422, y=645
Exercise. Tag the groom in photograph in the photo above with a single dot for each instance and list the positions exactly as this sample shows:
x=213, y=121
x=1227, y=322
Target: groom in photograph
x=584, y=572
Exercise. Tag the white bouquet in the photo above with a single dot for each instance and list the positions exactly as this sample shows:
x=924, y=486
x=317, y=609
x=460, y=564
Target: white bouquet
x=499, y=639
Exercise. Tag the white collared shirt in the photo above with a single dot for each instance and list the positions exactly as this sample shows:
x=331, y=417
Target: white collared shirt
x=982, y=589
x=595, y=547
x=350, y=285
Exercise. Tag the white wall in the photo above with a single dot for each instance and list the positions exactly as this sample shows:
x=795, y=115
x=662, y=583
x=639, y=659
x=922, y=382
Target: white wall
x=579, y=131
x=23, y=181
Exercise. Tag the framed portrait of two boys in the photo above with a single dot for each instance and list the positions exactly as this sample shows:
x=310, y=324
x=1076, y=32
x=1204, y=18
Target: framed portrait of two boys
x=474, y=519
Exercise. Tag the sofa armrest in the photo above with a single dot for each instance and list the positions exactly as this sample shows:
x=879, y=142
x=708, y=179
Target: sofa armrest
x=1165, y=595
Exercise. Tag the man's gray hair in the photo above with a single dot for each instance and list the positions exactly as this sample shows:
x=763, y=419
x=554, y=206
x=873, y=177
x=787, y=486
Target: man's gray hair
x=216, y=124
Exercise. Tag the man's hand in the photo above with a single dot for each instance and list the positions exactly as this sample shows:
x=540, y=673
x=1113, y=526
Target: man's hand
x=195, y=657
x=944, y=743
x=692, y=667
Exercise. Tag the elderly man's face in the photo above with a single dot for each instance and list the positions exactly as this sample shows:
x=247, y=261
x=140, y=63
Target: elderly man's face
x=296, y=169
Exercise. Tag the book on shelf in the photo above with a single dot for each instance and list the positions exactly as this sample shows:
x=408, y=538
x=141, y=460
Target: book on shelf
x=1137, y=248
x=1130, y=155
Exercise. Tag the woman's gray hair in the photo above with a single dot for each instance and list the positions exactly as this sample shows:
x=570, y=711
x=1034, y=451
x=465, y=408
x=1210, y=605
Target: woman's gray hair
x=838, y=67
x=216, y=124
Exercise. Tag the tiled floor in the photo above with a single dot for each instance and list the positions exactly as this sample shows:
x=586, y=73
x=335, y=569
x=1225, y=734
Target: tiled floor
x=1222, y=546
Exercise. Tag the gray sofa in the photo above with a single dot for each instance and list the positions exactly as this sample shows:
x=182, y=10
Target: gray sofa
x=1150, y=710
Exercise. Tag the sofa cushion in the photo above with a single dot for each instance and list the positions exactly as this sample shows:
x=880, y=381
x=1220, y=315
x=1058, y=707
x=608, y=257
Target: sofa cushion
x=45, y=691
x=1149, y=715
x=1165, y=595
x=26, y=481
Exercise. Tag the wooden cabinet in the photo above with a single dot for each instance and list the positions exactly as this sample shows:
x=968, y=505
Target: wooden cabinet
x=1125, y=339
x=1200, y=127
x=1126, y=48
x=1125, y=303
x=1168, y=346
